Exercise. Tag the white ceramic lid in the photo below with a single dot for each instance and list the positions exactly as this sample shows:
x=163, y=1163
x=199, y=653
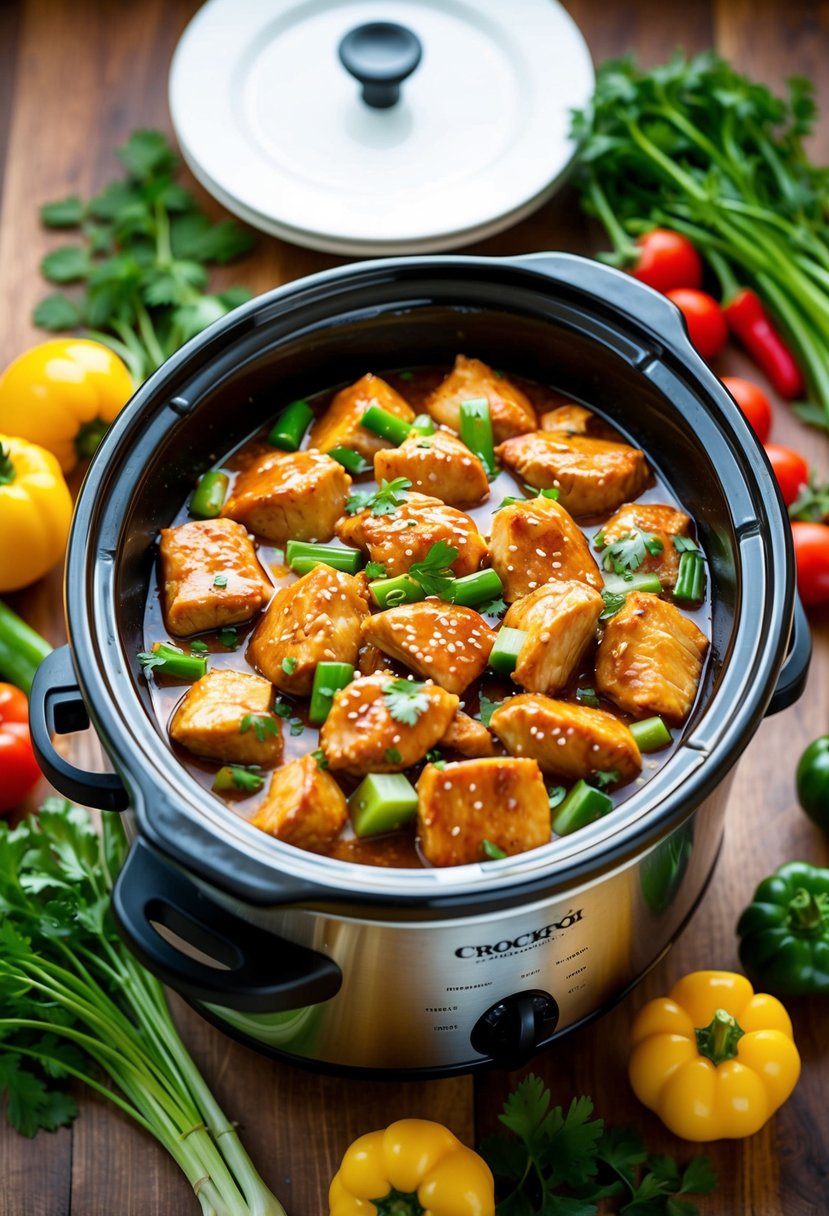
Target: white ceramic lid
x=274, y=126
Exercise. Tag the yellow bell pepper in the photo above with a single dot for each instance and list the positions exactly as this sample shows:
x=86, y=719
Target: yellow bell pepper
x=713, y=1059
x=62, y=395
x=35, y=511
x=412, y=1168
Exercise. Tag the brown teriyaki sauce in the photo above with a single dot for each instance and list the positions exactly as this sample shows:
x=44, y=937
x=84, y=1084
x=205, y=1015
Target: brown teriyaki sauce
x=399, y=848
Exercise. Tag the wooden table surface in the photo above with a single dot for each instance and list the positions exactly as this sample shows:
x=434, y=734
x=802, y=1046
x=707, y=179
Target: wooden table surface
x=76, y=76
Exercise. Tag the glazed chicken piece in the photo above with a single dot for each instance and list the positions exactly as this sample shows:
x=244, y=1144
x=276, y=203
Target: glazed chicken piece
x=560, y=621
x=570, y=419
x=379, y=724
x=569, y=740
x=535, y=541
x=289, y=496
x=438, y=464
x=511, y=411
x=592, y=476
x=499, y=799
x=304, y=806
x=650, y=658
x=406, y=535
x=193, y=556
x=660, y=521
x=226, y=715
x=314, y=619
x=339, y=426
x=467, y=736
x=443, y=642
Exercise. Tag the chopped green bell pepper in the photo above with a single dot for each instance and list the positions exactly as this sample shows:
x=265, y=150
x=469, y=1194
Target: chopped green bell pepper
x=784, y=932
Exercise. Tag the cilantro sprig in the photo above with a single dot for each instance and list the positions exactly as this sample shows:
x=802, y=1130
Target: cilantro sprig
x=554, y=1163
x=262, y=725
x=625, y=555
x=142, y=261
x=383, y=501
x=405, y=700
x=434, y=574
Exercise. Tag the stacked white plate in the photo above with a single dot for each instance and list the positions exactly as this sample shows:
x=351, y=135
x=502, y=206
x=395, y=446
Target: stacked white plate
x=273, y=125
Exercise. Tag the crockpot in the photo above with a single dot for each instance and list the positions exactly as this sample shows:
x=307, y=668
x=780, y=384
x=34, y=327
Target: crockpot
x=411, y=972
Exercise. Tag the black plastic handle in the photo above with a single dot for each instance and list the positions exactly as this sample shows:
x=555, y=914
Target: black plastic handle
x=795, y=668
x=380, y=55
x=260, y=972
x=56, y=708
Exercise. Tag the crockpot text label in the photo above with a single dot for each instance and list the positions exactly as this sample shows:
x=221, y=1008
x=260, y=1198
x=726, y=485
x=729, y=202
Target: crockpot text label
x=522, y=941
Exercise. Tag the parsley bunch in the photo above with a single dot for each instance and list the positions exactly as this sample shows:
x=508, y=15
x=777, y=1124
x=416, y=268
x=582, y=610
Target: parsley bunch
x=557, y=1164
x=75, y=1005
x=142, y=260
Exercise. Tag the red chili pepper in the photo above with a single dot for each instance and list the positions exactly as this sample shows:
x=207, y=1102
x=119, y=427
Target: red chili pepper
x=748, y=321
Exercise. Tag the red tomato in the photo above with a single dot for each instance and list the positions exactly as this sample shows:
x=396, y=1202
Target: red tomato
x=19, y=772
x=705, y=319
x=667, y=260
x=753, y=402
x=811, y=550
x=790, y=469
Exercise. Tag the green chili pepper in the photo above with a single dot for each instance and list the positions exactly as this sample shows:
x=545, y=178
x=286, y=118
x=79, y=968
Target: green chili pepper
x=784, y=932
x=812, y=780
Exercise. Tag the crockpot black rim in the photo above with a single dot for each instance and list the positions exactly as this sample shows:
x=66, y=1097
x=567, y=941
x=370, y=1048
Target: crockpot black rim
x=204, y=842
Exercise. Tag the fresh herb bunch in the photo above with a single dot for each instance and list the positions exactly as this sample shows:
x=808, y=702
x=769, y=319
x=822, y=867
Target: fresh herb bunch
x=142, y=262
x=626, y=554
x=695, y=146
x=557, y=1164
x=77, y=1006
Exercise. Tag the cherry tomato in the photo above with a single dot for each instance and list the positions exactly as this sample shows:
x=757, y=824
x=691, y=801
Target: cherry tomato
x=753, y=402
x=19, y=772
x=705, y=319
x=811, y=550
x=667, y=260
x=790, y=469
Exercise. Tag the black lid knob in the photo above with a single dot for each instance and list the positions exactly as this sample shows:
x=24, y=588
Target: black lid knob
x=380, y=55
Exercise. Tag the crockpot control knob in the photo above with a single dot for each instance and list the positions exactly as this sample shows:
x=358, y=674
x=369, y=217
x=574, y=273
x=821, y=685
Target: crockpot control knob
x=514, y=1027
x=380, y=55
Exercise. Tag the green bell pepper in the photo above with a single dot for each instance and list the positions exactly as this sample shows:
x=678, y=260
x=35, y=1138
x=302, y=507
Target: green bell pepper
x=784, y=932
x=812, y=781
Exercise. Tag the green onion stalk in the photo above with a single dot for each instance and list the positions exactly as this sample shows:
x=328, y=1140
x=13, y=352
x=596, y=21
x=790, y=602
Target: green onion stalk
x=76, y=1004
x=696, y=147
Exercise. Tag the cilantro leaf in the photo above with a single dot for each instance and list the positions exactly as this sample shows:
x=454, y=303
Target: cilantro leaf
x=556, y=795
x=405, y=700
x=297, y=727
x=66, y=264
x=393, y=755
x=625, y=555
x=375, y=570
x=496, y=607
x=66, y=213
x=289, y=664
x=603, y=780
x=384, y=501
x=699, y=1178
x=57, y=312
x=434, y=574
x=487, y=708
x=492, y=851
x=236, y=776
x=684, y=544
x=263, y=725
x=229, y=638
x=147, y=154
x=613, y=602
x=587, y=696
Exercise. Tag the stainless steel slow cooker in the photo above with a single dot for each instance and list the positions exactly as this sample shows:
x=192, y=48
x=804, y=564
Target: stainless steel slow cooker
x=353, y=967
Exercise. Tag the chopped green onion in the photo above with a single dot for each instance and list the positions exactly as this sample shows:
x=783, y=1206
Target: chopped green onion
x=302, y=556
x=289, y=428
x=198, y=647
x=690, y=581
x=389, y=592
x=587, y=696
x=424, y=424
x=616, y=584
x=651, y=734
x=473, y=589
x=220, y=581
x=504, y=654
x=209, y=495
x=328, y=679
x=233, y=778
x=170, y=661
x=229, y=637
x=476, y=431
x=386, y=425
x=492, y=851
x=351, y=461
x=583, y=805
x=382, y=802
x=290, y=664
